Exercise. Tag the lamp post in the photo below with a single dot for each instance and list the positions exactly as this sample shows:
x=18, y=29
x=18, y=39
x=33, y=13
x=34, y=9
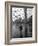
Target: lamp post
x=25, y=22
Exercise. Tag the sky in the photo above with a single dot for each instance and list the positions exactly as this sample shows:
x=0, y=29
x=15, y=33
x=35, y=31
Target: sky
x=19, y=13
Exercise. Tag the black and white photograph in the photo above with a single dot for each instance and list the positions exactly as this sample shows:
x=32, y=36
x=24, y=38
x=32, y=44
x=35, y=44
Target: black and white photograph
x=21, y=22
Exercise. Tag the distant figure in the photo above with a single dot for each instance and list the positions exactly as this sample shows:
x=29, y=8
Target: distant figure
x=20, y=31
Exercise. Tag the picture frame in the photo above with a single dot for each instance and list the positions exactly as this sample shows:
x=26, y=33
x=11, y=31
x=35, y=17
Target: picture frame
x=8, y=22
